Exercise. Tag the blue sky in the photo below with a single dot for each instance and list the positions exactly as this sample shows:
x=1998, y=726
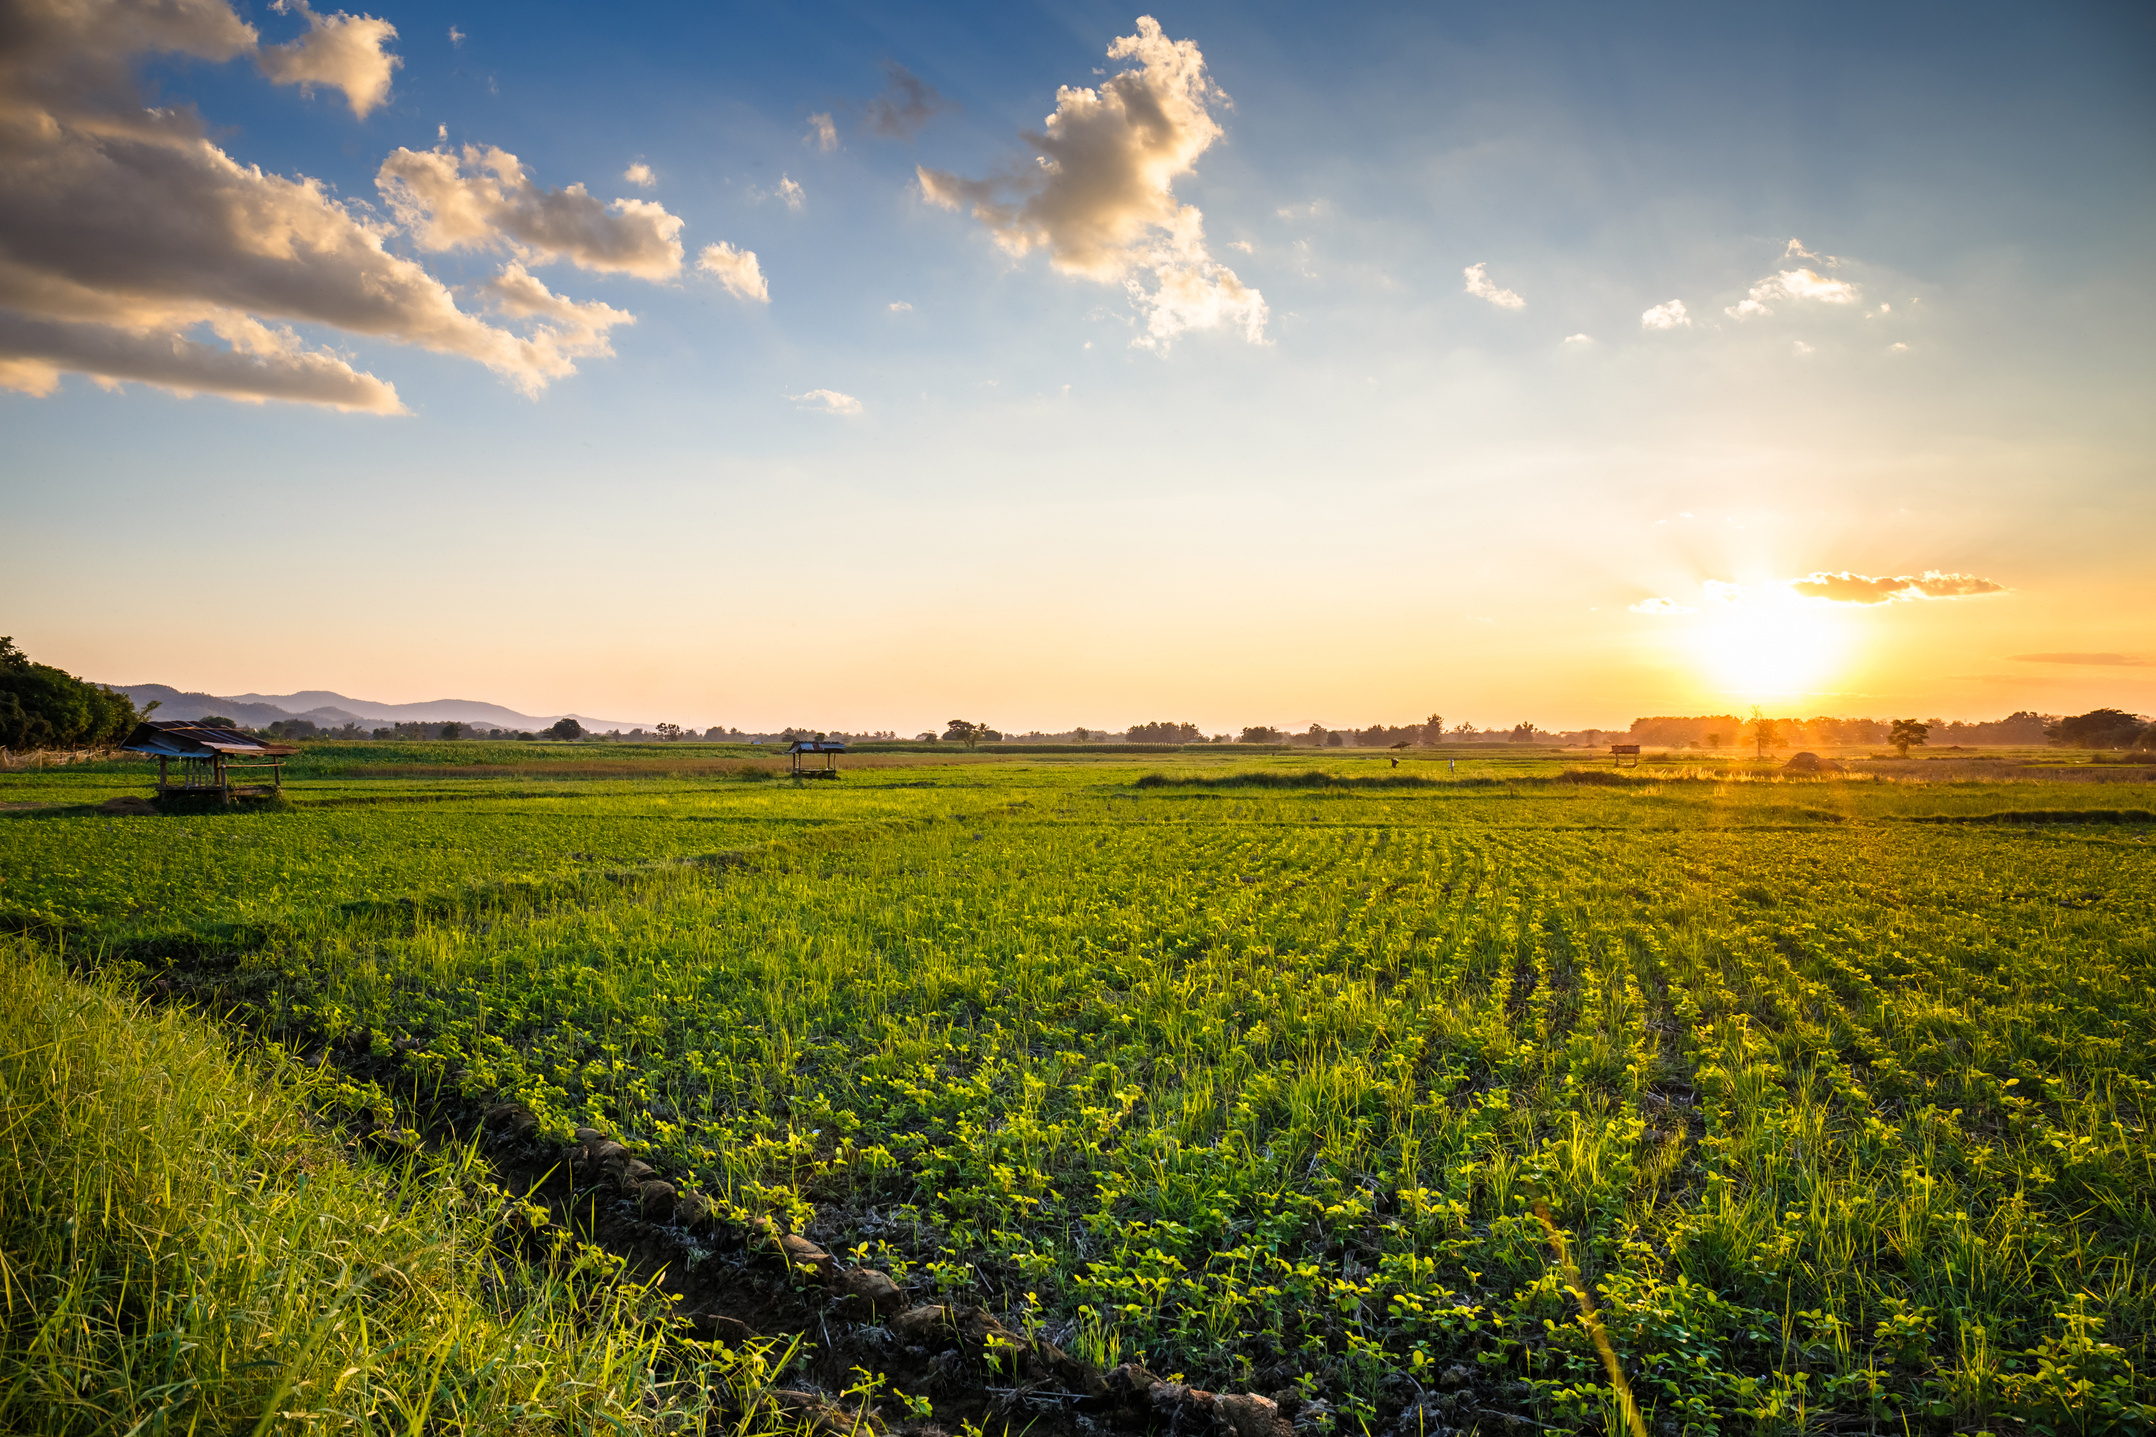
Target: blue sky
x=1405, y=497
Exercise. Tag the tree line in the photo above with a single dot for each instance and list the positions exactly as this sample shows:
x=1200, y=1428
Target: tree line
x=45, y=707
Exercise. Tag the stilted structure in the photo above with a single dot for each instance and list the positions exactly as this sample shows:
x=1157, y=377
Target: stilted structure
x=830, y=748
x=1622, y=752
x=207, y=757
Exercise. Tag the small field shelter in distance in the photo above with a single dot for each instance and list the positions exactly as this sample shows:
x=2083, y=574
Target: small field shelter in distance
x=207, y=758
x=830, y=748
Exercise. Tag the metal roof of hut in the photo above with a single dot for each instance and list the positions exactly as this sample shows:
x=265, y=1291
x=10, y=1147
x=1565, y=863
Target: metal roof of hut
x=182, y=738
x=817, y=745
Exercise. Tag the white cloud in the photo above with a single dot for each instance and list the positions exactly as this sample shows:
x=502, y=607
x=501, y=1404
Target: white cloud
x=1479, y=285
x=1666, y=316
x=1720, y=591
x=640, y=175
x=341, y=50
x=1661, y=606
x=787, y=191
x=1309, y=211
x=1848, y=588
x=482, y=199
x=1897, y=348
x=736, y=269
x=1099, y=196
x=1244, y=245
x=134, y=249
x=899, y=306
x=1796, y=250
x=1799, y=347
x=1792, y=285
x=821, y=133
x=827, y=401
x=1580, y=341
x=456, y=36
x=907, y=103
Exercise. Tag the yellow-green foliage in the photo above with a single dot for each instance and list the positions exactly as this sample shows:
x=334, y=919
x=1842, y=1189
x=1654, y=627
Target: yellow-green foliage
x=181, y=1251
x=1846, y=1115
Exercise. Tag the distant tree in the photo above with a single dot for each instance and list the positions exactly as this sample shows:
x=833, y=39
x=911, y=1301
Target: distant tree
x=1261, y=733
x=452, y=730
x=1716, y=740
x=670, y=731
x=925, y=738
x=1525, y=733
x=1165, y=731
x=1764, y=732
x=1433, y=729
x=1906, y=734
x=2098, y=728
x=567, y=730
x=217, y=721
x=1333, y=740
x=966, y=732
x=1464, y=729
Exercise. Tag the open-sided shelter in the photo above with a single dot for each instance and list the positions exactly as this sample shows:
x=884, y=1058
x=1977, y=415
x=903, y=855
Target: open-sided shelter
x=207, y=756
x=830, y=748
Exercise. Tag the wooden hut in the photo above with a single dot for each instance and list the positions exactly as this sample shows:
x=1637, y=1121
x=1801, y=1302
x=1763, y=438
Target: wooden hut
x=207, y=757
x=830, y=748
x=1623, y=751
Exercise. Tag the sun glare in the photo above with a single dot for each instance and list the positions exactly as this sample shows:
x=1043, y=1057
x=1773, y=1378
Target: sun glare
x=1760, y=648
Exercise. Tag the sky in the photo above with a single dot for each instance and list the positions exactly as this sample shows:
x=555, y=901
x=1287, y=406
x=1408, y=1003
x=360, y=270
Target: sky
x=861, y=367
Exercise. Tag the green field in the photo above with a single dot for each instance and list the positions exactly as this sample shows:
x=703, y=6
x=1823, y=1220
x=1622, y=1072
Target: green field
x=1839, y=1088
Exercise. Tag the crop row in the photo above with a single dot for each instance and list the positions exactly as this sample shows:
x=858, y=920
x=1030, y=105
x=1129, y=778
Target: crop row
x=1847, y=1119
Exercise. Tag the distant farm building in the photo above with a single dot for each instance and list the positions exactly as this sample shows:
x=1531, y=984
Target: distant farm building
x=1623, y=751
x=207, y=757
x=830, y=748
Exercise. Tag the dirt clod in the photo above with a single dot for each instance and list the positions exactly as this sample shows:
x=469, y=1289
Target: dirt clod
x=872, y=1287
x=802, y=1253
x=1251, y=1415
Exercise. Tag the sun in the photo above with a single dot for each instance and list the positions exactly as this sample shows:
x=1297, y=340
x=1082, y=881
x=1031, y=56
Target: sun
x=1759, y=647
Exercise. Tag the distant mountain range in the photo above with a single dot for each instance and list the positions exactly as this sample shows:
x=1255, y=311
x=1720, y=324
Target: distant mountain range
x=332, y=709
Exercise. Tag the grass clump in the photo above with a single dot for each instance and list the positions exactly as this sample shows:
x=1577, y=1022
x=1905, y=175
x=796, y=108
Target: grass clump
x=182, y=1250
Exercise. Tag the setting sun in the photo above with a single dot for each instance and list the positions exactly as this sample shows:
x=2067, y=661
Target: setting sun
x=1771, y=647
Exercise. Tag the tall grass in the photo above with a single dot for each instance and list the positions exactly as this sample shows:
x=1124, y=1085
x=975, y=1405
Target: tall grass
x=182, y=1250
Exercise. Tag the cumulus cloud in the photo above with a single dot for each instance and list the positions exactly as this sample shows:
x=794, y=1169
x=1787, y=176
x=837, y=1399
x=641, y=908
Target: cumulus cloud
x=822, y=133
x=257, y=363
x=481, y=198
x=1579, y=341
x=1479, y=285
x=787, y=192
x=827, y=401
x=132, y=248
x=1666, y=316
x=640, y=175
x=899, y=306
x=1791, y=285
x=1099, y=196
x=1661, y=606
x=2125, y=661
x=736, y=269
x=1848, y=588
x=907, y=103
x=340, y=50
